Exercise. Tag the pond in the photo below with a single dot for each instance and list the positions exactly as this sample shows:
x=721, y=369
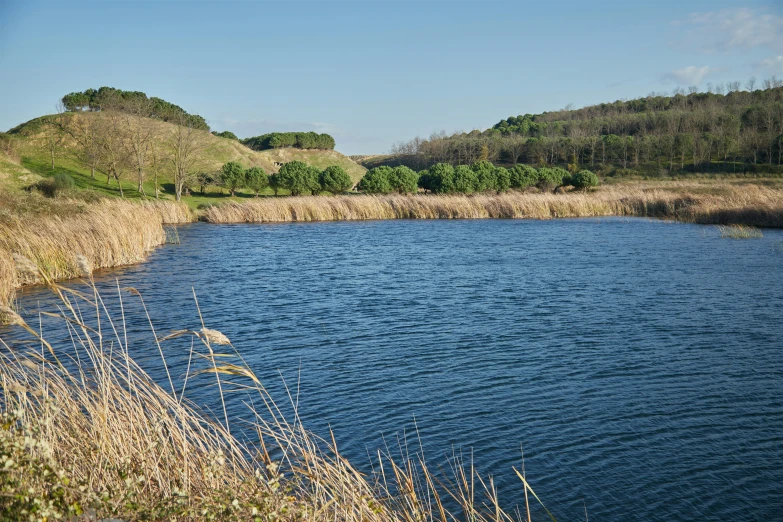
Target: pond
x=638, y=363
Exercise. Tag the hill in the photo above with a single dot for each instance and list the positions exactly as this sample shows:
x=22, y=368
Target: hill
x=724, y=130
x=49, y=145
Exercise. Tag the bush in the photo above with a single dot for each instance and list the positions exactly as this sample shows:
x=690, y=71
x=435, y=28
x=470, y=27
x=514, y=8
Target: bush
x=256, y=179
x=404, y=180
x=334, y=179
x=233, y=176
x=523, y=176
x=485, y=173
x=465, y=180
x=502, y=179
x=550, y=178
x=441, y=178
x=584, y=179
x=377, y=180
x=299, y=178
x=50, y=187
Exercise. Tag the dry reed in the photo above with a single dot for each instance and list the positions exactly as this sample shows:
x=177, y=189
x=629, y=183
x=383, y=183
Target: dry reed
x=107, y=233
x=721, y=203
x=126, y=446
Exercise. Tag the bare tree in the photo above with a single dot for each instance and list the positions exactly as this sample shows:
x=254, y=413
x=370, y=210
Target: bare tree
x=138, y=135
x=114, y=154
x=185, y=145
x=751, y=84
x=85, y=130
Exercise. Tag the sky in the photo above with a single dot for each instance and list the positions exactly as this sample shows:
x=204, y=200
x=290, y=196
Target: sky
x=373, y=73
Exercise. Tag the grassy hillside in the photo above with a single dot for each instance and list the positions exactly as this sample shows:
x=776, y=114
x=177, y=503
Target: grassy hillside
x=31, y=158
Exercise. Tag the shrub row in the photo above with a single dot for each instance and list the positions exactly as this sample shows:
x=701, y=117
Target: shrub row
x=482, y=176
x=295, y=176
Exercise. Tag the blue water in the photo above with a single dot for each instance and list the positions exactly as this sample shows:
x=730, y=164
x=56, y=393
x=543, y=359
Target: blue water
x=639, y=364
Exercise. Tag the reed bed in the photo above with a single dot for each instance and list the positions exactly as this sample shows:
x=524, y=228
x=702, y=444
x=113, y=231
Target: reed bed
x=83, y=238
x=739, y=232
x=97, y=434
x=723, y=203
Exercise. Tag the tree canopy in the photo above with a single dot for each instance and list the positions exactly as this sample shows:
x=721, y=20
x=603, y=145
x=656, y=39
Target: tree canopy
x=334, y=179
x=299, y=140
x=299, y=178
x=233, y=176
x=109, y=98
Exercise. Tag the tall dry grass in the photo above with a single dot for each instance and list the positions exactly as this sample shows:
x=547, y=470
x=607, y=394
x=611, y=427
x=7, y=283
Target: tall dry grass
x=82, y=238
x=117, y=442
x=726, y=203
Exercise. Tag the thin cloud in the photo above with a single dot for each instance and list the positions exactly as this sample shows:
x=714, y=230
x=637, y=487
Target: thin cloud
x=773, y=65
x=690, y=75
x=731, y=30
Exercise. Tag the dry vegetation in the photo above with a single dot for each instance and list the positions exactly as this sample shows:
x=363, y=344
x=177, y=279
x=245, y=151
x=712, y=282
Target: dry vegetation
x=70, y=238
x=712, y=203
x=99, y=434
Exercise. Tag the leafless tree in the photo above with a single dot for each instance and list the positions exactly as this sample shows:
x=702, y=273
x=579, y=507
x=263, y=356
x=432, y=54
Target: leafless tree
x=185, y=146
x=85, y=130
x=138, y=135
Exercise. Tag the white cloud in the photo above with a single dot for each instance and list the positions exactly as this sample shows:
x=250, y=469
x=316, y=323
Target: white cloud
x=732, y=30
x=690, y=75
x=772, y=65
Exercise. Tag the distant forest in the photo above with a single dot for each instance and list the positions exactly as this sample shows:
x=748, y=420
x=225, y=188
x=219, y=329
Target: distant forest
x=109, y=98
x=726, y=129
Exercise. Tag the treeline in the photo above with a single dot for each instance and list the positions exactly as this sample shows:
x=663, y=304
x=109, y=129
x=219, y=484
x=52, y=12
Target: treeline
x=725, y=129
x=481, y=176
x=135, y=102
x=299, y=140
x=295, y=176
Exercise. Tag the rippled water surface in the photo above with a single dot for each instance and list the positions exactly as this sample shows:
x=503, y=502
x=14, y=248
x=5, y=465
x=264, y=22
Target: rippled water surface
x=639, y=364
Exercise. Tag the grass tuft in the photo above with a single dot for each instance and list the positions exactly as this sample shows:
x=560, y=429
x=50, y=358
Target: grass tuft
x=739, y=232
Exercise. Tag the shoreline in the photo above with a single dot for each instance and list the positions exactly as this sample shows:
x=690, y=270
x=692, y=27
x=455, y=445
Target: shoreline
x=114, y=233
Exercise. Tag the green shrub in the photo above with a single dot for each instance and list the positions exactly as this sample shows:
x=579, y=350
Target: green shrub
x=50, y=187
x=377, y=180
x=523, y=176
x=441, y=178
x=334, y=179
x=256, y=179
x=299, y=178
x=233, y=176
x=465, y=180
x=584, y=179
x=404, y=180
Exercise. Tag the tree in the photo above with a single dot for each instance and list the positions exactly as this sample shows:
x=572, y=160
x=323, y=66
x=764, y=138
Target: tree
x=114, y=154
x=185, y=145
x=441, y=178
x=138, y=135
x=84, y=129
x=403, y=180
x=334, y=179
x=502, y=179
x=485, y=174
x=376, y=181
x=226, y=134
x=465, y=179
x=256, y=179
x=274, y=182
x=583, y=180
x=233, y=176
x=299, y=178
x=523, y=176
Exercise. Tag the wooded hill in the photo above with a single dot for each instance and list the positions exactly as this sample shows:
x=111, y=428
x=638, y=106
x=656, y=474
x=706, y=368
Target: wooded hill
x=126, y=154
x=726, y=129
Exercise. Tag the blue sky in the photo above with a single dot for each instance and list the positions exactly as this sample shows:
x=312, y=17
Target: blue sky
x=373, y=73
